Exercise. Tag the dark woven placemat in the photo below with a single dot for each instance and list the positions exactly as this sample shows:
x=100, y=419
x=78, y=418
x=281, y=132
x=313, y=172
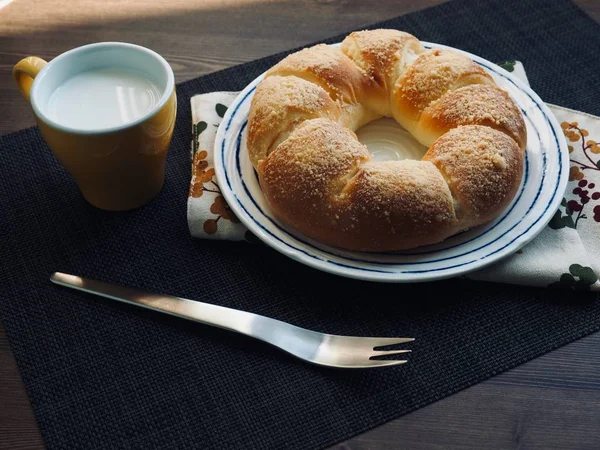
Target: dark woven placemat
x=105, y=375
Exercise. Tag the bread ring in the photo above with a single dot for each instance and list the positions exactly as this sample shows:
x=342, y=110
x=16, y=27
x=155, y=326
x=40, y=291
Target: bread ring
x=320, y=180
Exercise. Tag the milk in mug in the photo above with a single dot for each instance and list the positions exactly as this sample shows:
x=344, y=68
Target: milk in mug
x=102, y=98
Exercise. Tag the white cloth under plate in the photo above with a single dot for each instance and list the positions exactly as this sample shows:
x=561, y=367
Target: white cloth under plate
x=566, y=253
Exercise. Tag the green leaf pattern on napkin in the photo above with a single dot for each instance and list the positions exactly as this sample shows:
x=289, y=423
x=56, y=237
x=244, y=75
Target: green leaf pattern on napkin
x=508, y=65
x=221, y=109
x=579, y=278
x=561, y=221
x=197, y=129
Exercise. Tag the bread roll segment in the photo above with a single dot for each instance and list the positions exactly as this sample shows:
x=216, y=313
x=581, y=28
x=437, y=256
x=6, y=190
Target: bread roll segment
x=304, y=176
x=476, y=104
x=321, y=181
x=394, y=204
x=384, y=55
x=433, y=73
x=483, y=168
x=279, y=105
x=345, y=82
x=332, y=70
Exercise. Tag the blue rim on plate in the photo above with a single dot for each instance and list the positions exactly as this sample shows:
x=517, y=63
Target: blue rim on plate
x=542, y=188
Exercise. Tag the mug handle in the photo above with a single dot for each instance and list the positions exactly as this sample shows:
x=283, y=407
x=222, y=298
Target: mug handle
x=25, y=71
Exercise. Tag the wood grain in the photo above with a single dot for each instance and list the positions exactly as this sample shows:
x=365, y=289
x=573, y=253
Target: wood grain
x=18, y=429
x=551, y=402
x=194, y=37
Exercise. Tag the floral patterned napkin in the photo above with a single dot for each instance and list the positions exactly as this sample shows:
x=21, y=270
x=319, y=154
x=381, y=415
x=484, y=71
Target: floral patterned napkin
x=565, y=254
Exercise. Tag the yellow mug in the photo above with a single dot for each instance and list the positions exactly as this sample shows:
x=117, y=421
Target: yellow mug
x=118, y=167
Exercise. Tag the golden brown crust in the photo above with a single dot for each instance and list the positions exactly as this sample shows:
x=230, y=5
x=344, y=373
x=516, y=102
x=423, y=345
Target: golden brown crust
x=329, y=68
x=306, y=172
x=384, y=55
x=278, y=106
x=395, y=205
x=321, y=181
x=477, y=104
x=433, y=73
x=483, y=168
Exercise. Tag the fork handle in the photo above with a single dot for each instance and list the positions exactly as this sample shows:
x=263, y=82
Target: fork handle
x=230, y=319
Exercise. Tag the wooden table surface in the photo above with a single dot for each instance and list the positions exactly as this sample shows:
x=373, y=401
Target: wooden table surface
x=550, y=402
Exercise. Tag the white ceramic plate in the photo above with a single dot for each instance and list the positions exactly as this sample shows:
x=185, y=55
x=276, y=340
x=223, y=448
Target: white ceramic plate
x=544, y=182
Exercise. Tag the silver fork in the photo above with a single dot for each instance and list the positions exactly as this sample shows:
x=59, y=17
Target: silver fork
x=349, y=352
